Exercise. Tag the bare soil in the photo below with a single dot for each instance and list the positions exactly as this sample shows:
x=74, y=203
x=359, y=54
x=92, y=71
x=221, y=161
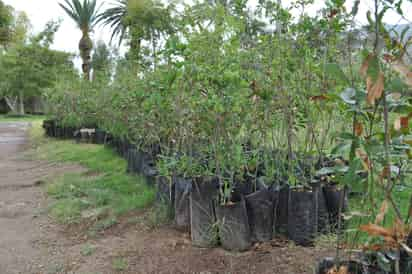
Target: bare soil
x=31, y=242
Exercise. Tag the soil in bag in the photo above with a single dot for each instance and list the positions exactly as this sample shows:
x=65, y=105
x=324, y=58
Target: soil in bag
x=333, y=196
x=259, y=207
x=234, y=231
x=302, y=216
x=202, y=215
x=182, y=188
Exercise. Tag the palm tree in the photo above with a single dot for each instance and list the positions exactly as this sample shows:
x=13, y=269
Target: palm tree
x=140, y=20
x=119, y=20
x=85, y=15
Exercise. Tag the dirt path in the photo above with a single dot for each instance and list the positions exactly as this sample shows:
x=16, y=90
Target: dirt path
x=31, y=243
x=22, y=222
x=18, y=204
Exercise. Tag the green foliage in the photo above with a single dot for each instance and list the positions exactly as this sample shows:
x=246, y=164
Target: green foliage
x=31, y=67
x=6, y=20
x=102, y=62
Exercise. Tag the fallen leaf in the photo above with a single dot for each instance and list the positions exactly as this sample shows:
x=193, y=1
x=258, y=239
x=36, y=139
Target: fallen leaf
x=375, y=90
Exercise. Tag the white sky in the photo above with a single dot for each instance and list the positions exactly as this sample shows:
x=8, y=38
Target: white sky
x=67, y=38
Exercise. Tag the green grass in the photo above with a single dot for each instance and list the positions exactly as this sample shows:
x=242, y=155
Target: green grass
x=17, y=118
x=101, y=194
x=120, y=264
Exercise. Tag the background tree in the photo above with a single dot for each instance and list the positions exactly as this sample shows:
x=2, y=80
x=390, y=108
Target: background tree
x=6, y=22
x=102, y=62
x=85, y=15
x=28, y=68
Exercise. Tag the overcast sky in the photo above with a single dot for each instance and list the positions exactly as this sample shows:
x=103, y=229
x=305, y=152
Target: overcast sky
x=67, y=38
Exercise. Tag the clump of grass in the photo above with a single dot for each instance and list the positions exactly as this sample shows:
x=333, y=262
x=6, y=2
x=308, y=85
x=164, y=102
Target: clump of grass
x=87, y=250
x=120, y=264
x=109, y=193
x=159, y=215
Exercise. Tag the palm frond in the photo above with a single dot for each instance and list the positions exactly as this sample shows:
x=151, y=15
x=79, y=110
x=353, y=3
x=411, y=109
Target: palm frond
x=114, y=18
x=84, y=13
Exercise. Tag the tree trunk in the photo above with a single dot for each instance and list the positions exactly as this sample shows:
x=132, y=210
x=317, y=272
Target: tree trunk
x=85, y=47
x=11, y=103
x=21, y=103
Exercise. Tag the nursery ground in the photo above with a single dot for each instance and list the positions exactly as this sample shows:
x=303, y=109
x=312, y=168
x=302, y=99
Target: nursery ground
x=42, y=232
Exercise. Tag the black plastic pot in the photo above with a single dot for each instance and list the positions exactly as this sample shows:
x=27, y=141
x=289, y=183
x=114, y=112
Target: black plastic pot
x=334, y=196
x=165, y=193
x=48, y=126
x=100, y=136
x=323, y=214
x=260, y=215
x=241, y=189
x=203, y=195
x=149, y=171
x=69, y=132
x=302, y=216
x=133, y=161
x=280, y=196
x=58, y=131
x=182, y=189
x=234, y=231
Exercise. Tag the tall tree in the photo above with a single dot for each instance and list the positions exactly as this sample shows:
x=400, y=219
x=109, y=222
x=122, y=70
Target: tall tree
x=85, y=15
x=6, y=23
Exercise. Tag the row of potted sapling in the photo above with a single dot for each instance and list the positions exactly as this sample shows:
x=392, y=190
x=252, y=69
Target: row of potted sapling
x=252, y=212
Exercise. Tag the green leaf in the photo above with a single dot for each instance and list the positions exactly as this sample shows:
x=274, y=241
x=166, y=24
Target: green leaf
x=333, y=70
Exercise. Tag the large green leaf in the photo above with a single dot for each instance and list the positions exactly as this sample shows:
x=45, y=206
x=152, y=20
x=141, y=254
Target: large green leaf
x=333, y=70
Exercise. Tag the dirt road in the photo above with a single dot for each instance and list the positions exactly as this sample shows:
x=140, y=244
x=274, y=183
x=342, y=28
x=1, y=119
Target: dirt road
x=19, y=203
x=23, y=227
